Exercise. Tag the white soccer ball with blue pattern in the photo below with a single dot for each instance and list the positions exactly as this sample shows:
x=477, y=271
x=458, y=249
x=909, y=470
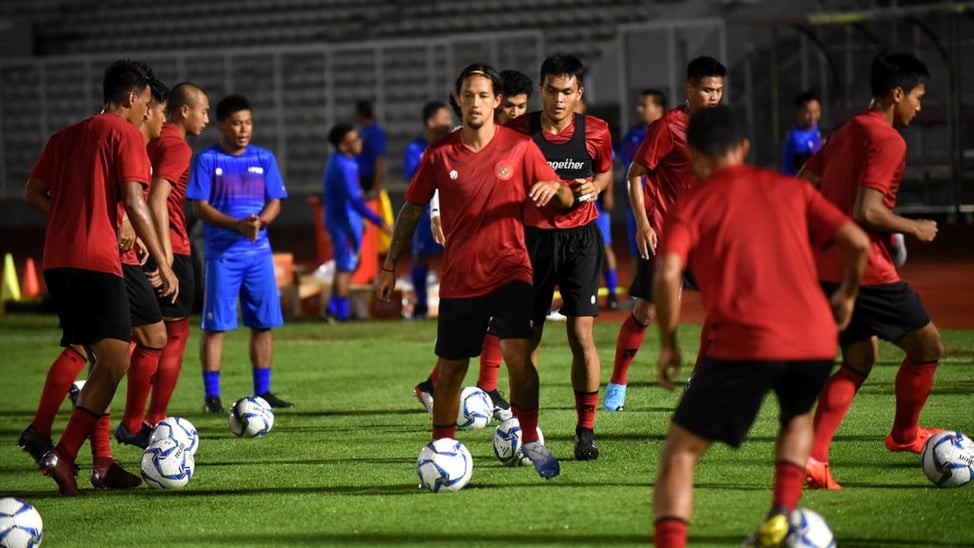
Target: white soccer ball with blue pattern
x=21, y=525
x=476, y=409
x=507, y=442
x=808, y=530
x=251, y=417
x=179, y=430
x=444, y=465
x=167, y=465
x=948, y=459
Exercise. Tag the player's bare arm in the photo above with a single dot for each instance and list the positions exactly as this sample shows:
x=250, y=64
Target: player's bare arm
x=37, y=195
x=608, y=199
x=402, y=233
x=666, y=293
x=138, y=214
x=555, y=192
x=646, y=237
x=813, y=178
x=159, y=207
x=125, y=234
x=854, y=246
x=589, y=189
x=872, y=213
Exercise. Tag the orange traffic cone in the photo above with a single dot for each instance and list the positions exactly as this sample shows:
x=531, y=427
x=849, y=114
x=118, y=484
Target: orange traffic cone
x=32, y=287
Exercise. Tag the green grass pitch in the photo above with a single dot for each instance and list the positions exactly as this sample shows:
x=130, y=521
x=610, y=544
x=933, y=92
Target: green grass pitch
x=339, y=469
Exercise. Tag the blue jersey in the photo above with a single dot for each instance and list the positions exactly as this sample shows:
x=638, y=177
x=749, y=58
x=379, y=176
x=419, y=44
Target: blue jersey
x=800, y=145
x=344, y=207
x=373, y=146
x=237, y=186
x=630, y=144
x=412, y=155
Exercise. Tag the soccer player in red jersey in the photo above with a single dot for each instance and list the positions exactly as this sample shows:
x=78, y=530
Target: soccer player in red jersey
x=148, y=329
x=659, y=175
x=566, y=246
x=860, y=169
x=485, y=175
x=83, y=171
x=749, y=235
x=171, y=157
x=515, y=93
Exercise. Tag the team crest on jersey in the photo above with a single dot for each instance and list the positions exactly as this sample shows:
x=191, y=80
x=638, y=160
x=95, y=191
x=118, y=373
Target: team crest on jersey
x=453, y=175
x=503, y=170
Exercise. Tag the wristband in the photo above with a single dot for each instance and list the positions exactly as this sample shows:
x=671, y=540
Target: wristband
x=384, y=269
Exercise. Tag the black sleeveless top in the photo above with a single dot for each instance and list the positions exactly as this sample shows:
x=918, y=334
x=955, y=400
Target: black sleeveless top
x=571, y=159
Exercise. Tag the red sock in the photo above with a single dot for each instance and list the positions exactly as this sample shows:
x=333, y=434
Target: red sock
x=585, y=404
x=913, y=381
x=670, y=533
x=63, y=372
x=631, y=336
x=435, y=373
x=788, y=481
x=446, y=431
x=833, y=403
x=167, y=375
x=80, y=426
x=529, y=423
x=145, y=363
x=101, y=438
x=490, y=363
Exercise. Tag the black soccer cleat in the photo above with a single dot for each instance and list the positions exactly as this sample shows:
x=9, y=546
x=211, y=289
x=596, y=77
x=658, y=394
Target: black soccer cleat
x=585, y=448
x=501, y=407
x=34, y=443
x=139, y=439
x=212, y=404
x=274, y=401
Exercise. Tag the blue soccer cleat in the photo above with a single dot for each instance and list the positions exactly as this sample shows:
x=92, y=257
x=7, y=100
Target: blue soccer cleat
x=615, y=397
x=544, y=462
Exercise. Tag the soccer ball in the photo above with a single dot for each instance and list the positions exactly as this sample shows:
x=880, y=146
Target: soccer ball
x=507, y=442
x=808, y=530
x=476, y=409
x=444, y=465
x=166, y=465
x=251, y=417
x=948, y=459
x=20, y=524
x=179, y=430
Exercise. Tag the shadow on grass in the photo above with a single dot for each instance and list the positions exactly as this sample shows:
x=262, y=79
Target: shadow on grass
x=425, y=538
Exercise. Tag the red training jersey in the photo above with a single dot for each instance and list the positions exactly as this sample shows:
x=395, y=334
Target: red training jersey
x=171, y=157
x=865, y=152
x=84, y=166
x=664, y=154
x=747, y=234
x=598, y=142
x=482, y=197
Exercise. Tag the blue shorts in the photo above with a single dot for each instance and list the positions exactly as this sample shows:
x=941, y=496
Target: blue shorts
x=604, y=222
x=346, y=244
x=247, y=276
x=423, y=242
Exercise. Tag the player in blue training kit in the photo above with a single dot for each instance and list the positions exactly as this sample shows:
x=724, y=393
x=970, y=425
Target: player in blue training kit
x=437, y=120
x=804, y=138
x=344, y=213
x=372, y=158
x=236, y=190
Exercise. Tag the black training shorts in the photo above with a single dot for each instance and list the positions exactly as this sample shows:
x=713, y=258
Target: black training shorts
x=91, y=305
x=571, y=259
x=888, y=311
x=182, y=267
x=725, y=396
x=463, y=323
x=143, y=303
